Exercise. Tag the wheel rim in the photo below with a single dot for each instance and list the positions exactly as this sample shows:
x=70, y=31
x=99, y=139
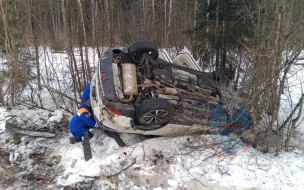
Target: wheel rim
x=137, y=56
x=155, y=116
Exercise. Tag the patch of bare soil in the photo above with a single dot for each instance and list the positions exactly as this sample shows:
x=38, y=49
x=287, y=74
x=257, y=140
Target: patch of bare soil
x=26, y=162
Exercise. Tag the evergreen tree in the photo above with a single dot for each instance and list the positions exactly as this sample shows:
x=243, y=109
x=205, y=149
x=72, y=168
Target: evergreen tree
x=222, y=26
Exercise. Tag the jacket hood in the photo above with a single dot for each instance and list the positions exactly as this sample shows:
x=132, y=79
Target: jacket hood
x=85, y=106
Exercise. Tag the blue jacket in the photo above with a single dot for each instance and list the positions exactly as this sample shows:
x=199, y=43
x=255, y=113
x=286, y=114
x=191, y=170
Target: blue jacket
x=82, y=120
x=86, y=93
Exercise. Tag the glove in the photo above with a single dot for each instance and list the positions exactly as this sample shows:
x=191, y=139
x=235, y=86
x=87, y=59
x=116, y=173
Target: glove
x=96, y=126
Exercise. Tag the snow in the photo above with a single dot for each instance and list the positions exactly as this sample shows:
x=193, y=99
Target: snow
x=160, y=163
x=57, y=115
x=163, y=163
x=2, y=119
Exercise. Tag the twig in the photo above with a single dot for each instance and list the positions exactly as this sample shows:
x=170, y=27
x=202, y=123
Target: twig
x=197, y=179
x=60, y=93
x=73, y=163
x=42, y=178
x=66, y=110
x=94, y=177
x=134, y=161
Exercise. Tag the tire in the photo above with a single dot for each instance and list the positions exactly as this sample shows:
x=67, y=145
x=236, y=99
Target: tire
x=139, y=48
x=154, y=112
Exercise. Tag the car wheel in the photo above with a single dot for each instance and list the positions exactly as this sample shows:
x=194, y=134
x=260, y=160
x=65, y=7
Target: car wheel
x=154, y=112
x=139, y=48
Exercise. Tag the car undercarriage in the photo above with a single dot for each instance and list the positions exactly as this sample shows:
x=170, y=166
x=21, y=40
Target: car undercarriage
x=149, y=94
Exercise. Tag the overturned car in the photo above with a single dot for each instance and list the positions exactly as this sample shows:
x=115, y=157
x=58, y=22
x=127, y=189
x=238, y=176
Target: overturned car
x=137, y=90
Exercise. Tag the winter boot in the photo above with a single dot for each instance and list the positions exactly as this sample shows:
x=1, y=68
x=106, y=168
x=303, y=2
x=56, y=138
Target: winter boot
x=73, y=140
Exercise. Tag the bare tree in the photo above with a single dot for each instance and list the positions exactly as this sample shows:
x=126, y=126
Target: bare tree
x=274, y=55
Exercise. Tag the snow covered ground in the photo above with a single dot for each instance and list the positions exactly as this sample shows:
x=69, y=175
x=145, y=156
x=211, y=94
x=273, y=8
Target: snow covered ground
x=160, y=163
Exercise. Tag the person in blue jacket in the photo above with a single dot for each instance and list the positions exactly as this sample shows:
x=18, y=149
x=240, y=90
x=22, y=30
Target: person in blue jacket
x=82, y=121
x=86, y=95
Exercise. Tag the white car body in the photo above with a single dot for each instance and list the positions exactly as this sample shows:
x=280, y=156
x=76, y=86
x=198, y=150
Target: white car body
x=142, y=90
x=120, y=123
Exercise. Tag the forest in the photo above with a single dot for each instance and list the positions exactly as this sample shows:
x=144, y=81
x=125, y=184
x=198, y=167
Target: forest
x=261, y=40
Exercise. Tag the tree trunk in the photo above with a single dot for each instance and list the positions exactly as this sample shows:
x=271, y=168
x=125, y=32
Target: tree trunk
x=169, y=20
x=195, y=12
x=106, y=18
x=217, y=56
x=93, y=14
x=87, y=64
x=9, y=51
x=153, y=12
x=278, y=43
x=64, y=20
x=294, y=121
